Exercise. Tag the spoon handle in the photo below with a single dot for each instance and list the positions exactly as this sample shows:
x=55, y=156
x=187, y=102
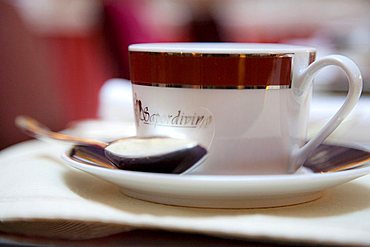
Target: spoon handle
x=35, y=129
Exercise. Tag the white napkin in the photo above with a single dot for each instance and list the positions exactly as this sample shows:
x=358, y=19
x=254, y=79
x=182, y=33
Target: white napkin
x=41, y=196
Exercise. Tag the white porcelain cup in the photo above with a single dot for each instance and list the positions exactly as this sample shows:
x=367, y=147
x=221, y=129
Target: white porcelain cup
x=248, y=103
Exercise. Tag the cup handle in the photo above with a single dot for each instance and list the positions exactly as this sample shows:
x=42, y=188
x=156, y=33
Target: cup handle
x=355, y=87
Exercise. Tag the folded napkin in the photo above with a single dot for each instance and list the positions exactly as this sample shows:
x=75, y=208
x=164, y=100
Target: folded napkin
x=41, y=196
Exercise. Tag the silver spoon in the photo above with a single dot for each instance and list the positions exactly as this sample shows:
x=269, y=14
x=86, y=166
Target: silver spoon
x=150, y=154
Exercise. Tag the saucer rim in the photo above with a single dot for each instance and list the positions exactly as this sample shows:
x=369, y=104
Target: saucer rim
x=221, y=191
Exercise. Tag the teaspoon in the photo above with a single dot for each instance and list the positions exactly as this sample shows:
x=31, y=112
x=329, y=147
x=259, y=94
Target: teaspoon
x=149, y=154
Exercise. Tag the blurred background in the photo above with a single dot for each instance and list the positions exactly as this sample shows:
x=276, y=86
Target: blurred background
x=55, y=55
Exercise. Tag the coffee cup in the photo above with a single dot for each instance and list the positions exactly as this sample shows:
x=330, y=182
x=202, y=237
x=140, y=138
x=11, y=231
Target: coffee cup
x=247, y=103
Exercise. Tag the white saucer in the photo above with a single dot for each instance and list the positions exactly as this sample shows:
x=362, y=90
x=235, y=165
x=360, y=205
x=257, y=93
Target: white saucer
x=253, y=191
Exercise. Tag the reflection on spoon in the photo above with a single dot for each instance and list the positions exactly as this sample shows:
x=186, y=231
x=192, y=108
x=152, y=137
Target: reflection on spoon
x=149, y=154
x=334, y=158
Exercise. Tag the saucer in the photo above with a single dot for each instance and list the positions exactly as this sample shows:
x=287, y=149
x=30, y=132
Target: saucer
x=249, y=191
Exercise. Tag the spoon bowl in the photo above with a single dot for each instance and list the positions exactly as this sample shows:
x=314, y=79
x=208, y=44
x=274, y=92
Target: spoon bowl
x=147, y=154
x=155, y=154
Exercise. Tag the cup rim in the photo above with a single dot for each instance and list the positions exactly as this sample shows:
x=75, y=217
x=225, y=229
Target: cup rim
x=197, y=48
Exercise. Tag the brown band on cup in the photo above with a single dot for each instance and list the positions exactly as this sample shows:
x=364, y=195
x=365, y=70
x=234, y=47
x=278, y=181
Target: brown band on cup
x=198, y=70
x=173, y=85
